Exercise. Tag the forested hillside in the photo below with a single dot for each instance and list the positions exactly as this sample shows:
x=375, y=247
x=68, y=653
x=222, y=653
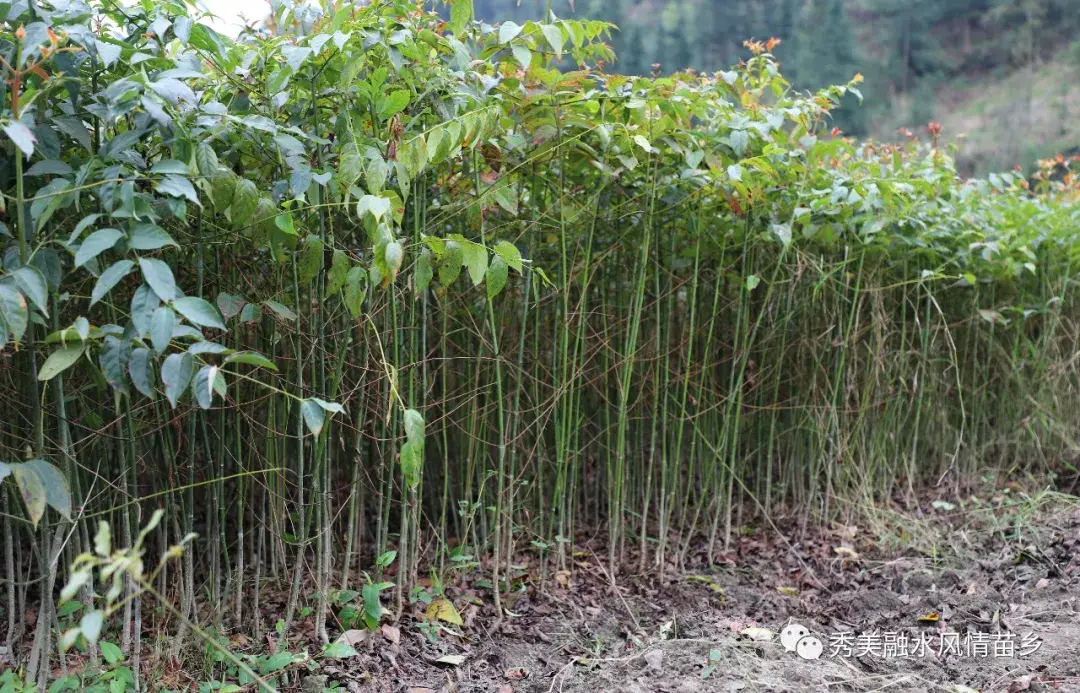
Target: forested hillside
x=923, y=60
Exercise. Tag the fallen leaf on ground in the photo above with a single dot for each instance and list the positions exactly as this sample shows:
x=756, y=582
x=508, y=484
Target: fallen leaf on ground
x=392, y=633
x=452, y=660
x=443, y=610
x=756, y=633
x=353, y=637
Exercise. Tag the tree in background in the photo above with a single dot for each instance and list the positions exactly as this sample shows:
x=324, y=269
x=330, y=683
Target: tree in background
x=828, y=55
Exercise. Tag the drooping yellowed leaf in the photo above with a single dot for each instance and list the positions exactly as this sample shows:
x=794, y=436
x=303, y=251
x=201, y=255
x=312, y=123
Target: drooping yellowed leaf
x=443, y=610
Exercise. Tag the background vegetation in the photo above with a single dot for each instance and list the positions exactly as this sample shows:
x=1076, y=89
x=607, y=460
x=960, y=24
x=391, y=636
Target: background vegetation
x=379, y=296
x=1000, y=71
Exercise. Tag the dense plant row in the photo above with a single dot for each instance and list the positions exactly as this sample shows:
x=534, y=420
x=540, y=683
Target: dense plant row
x=385, y=293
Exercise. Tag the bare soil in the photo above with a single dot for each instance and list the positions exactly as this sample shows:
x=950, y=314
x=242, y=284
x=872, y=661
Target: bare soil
x=995, y=567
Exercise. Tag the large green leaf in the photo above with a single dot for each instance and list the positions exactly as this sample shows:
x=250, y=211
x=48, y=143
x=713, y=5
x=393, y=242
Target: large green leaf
x=60, y=360
x=110, y=278
x=141, y=369
x=33, y=285
x=57, y=491
x=149, y=237
x=199, y=312
x=162, y=325
x=461, y=13
x=95, y=244
x=14, y=316
x=160, y=278
x=113, y=357
x=143, y=304
x=31, y=488
x=250, y=358
x=495, y=278
x=452, y=261
x=314, y=411
x=244, y=200
x=176, y=373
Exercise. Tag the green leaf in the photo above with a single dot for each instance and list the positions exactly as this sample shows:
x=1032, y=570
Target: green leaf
x=32, y=490
x=339, y=650
x=395, y=103
x=508, y=32
x=143, y=304
x=113, y=357
x=199, y=311
x=14, y=316
x=250, y=358
x=162, y=325
x=160, y=278
x=149, y=237
x=57, y=491
x=314, y=412
x=423, y=273
x=339, y=273
x=461, y=13
x=452, y=261
x=205, y=384
x=282, y=311
x=495, y=278
x=510, y=253
x=32, y=283
x=372, y=605
x=206, y=160
x=355, y=281
x=112, y=654
x=110, y=278
x=522, y=54
x=22, y=136
x=752, y=281
x=414, y=425
x=176, y=373
x=475, y=259
x=275, y=662
x=314, y=416
x=375, y=174
x=245, y=199
x=141, y=369
x=393, y=256
x=95, y=244
x=310, y=260
x=178, y=187
x=554, y=36
x=90, y=625
x=60, y=360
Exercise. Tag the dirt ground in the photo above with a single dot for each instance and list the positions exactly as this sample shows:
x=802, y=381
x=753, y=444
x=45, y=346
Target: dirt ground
x=982, y=596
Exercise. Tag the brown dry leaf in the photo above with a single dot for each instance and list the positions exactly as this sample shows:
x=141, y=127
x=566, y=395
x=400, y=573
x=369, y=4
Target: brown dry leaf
x=847, y=552
x=515, y=674
x=1042, y=584
x=353, y=637
x=392, y=633
x=563, y=578
x=443, y=610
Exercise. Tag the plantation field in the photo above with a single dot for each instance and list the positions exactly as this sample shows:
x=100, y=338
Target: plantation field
x=378, y=339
